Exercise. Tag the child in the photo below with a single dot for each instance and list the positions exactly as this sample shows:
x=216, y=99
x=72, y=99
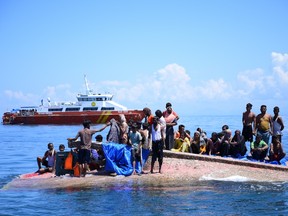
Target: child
x=135, y=139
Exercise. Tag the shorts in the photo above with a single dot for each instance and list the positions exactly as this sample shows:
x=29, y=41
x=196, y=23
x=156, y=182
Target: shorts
x=136, y=156
x=84, y=156
x=247, y=133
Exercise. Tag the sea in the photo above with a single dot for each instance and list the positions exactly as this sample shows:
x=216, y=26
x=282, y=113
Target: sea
x=21, y=144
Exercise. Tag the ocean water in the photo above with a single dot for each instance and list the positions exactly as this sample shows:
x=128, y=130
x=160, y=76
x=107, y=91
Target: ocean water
x=21, y=145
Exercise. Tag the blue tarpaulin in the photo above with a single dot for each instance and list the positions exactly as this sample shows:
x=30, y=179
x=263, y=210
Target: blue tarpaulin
x=118, y=158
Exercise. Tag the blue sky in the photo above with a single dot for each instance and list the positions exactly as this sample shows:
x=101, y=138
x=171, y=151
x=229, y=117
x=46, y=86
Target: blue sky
x=205, y=57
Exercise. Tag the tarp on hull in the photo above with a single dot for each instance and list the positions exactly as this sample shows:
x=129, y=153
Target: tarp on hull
x=118, y=159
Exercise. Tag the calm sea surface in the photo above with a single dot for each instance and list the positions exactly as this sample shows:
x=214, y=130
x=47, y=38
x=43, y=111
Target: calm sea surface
x=21, y=145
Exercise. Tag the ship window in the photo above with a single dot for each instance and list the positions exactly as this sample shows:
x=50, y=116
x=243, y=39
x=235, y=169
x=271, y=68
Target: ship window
x=90, y=108
x=55, y=109
x=73, y=109
x=99, y=99
x=107, y=108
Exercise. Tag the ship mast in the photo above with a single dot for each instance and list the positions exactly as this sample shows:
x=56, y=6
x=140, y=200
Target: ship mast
x=88, y=91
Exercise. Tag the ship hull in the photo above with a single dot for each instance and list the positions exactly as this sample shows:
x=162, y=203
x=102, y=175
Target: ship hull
x=68, y=118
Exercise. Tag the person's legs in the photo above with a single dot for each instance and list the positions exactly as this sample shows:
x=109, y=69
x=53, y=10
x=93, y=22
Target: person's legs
x=39, y=161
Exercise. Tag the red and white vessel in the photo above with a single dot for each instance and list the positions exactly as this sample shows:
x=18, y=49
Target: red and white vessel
x=98, y=108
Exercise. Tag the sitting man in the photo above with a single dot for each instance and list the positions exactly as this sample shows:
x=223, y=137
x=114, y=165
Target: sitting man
x=182, y=140
x=198, y=144
x=259, y=148
x=213, y=144
x=97, y=155
x=276, y=152
x=237, y=145
x=225, y=141
x=48, y=160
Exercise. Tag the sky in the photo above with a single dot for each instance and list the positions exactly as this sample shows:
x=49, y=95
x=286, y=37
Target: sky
x=205, y=57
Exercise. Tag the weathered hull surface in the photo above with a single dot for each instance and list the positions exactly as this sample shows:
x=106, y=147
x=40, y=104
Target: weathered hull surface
x=178, y=169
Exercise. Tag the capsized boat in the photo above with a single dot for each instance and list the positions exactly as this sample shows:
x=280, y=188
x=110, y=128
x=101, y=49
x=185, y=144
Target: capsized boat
x=98, y=108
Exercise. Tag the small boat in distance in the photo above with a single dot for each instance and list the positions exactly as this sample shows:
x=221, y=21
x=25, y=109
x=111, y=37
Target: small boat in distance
x=98, y=108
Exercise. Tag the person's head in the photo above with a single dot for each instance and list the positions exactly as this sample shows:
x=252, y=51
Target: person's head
x=86, y=124
x=237, y=132
x=158, y=113
x=61, y=147
x=169, y=109
x=50, y=146
x=188, y=132
x=196, y=135
x=214, y=136
x=147, y=111
x=275, y=139
x=99, y=138
x=225, y=127
x=263, y=108
x=168, y=105
x=134, y=127
x=258, y=138
x=276, y=110
x=155, y=120
x=181, y=127
x=249, y=106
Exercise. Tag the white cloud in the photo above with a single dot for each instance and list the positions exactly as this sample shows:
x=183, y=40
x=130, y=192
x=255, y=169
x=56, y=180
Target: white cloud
x=173, y=83
x=279, y=58
x=215, y=89
x=280, y=68
x=18, y=95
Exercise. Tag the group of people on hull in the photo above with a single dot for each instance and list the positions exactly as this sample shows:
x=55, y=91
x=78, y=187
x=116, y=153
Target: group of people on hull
x=262, y=126
x=156, y=133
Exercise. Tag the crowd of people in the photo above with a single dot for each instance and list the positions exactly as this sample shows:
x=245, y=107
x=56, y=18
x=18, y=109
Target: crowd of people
x=157, y=132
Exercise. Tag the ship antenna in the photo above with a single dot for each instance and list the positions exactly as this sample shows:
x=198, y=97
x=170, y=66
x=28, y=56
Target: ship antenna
x=88, y=91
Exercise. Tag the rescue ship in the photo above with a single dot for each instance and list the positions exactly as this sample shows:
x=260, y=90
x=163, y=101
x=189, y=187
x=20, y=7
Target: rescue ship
x=98, y=108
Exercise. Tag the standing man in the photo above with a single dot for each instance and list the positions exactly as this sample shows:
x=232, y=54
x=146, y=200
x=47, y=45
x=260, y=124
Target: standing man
x=278, y=124
x=264, y=124
x=85, y=147
x=157, y=136
x=249, y=122
x=171, y=120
